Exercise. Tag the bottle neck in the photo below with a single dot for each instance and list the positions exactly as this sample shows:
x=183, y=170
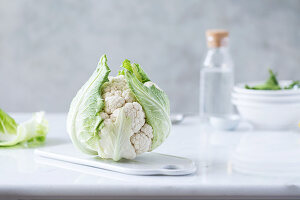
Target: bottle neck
x=220, y=48
x=218, y=57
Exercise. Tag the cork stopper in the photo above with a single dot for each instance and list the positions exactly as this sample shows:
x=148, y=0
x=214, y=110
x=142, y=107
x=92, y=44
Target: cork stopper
x=216, y=38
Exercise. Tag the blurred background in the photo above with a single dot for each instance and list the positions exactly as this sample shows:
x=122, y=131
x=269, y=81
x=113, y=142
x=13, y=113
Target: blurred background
x=49, y=48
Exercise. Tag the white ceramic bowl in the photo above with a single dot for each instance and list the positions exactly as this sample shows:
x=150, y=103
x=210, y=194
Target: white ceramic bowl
x=265, y=98
x=268, y=109
x=271, y=116
x=240, y=89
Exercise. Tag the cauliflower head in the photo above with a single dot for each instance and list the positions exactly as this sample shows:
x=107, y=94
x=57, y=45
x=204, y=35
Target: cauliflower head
x=119, y=117
x=117, y=96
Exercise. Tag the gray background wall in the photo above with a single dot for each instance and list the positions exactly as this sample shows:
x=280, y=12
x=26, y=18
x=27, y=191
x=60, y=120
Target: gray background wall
x=48, y=49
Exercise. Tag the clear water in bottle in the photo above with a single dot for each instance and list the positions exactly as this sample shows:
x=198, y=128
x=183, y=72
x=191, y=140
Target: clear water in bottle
x=216, y=85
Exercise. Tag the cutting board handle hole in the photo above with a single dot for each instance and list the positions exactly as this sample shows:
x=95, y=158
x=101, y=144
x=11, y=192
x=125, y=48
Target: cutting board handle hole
x=171, y=167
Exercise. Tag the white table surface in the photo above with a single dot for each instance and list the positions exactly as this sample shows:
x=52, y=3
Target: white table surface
x=26, y=176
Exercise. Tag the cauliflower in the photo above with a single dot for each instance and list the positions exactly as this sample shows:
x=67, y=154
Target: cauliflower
x=117, y=87
x=119, y=117
x=117, y=95
x=142, y=139
x=112, y=103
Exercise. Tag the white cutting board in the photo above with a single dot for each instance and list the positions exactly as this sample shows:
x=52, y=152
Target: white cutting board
x=146, y=164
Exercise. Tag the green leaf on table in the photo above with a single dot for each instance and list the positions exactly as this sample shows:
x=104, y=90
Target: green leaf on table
x=29, y=133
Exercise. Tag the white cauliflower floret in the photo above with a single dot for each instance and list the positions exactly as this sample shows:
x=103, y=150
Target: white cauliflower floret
x=106, y=118
x=147, y=130
x=135, y=112
x=112, y=103
x=117, y=86
x=104, y=115
x=115, y=114
x=112, y=93
x=142, y=140
x=114, y=85
x=128, y=96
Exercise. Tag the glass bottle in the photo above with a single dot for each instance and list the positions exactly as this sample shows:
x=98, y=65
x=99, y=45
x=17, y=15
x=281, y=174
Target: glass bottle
x=217, y=76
